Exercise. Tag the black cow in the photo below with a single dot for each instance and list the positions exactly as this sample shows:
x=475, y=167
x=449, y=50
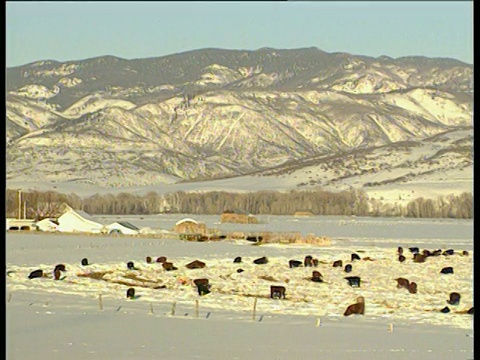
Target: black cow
x=148, y=259
x=84, y=262
x=353, y=281
x=262, y=260
x=35, y=274
x=448, y=252
x=414, y=250
x=355, y=257
x=60, y=267
x=348, y=268
x=447, y=270
x=401, y=258
x=445, y=310
x=277, y=291
x=203, y=286
x=294, y=263
x=130, y=293
x=308, y=261
x=454, y=298
x=238, y=259
x=131, y=266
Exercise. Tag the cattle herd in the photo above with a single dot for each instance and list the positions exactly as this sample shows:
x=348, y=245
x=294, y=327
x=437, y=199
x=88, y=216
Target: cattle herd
x=204, y=287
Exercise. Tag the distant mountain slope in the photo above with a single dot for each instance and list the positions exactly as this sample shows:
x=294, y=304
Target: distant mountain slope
x=214, y=113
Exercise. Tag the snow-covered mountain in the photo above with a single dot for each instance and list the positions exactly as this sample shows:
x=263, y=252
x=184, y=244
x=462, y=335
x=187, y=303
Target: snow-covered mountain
x=208, y=114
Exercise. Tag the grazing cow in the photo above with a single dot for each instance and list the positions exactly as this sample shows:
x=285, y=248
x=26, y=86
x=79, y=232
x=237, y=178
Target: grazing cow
x=240, y=271
x=294, y=263
x=161, y=259
x=401, y=258
x=400, y=250
x=412, y=288
x=337, y=263
x=348, y=268
x=308, y=261
x=131, y=266
x=470, y=311
x=238, y=259
x=84, y=262
x=203, y=286
x=196, y=264
x=465, y=253
x=35, y=274
x=448, y=252
x=447, y=270
x=437, y=252
x=445, y=310
x=402, y=282
x=357, y=308
x=355, y=257
x=315, y=262
x=148, y=259
x=130, y=293
x=454, y=298
x=414, y=250
x=419, y=258
x=262, y=260
x=316, y=276
x=353, y=281
x=277, y=291
x=168, y=266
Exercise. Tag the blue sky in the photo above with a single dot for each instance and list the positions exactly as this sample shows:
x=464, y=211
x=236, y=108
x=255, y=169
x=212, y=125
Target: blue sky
x=79, y=30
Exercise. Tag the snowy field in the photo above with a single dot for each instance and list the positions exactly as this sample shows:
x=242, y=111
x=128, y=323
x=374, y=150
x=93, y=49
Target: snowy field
x=86, y=314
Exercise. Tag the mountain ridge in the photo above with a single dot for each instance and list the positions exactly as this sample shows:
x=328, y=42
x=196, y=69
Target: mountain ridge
x=216, y=113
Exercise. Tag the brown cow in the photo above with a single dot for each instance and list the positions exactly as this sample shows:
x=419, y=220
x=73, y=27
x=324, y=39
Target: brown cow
x=402, y=282
x=148, y=259
x=419, y=258
x=196, y=264
x=277, y=291
x=168, y=266
x=337, y=263
x=161, y=259
x=316, y=276
x=412, y=288
x=357, y=308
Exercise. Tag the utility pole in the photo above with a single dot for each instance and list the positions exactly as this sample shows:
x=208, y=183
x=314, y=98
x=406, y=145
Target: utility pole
x=19, y=204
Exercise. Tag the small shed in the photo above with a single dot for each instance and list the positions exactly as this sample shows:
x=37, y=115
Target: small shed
x=122, y=227
x=190, y=226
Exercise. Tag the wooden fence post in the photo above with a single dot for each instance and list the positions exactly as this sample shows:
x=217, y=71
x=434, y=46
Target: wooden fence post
x=254, y=309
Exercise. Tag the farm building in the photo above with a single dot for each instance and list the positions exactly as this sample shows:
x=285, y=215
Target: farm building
x=190, y=226
x=238, y=217
x=20, y=224
x=47, y=224
x=122, y=227
x=78, y=221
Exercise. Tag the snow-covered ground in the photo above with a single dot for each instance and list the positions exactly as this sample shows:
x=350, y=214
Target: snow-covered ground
x=80, y=317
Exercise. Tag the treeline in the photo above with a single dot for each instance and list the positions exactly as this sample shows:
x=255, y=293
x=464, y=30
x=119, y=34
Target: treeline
x=318, y=202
